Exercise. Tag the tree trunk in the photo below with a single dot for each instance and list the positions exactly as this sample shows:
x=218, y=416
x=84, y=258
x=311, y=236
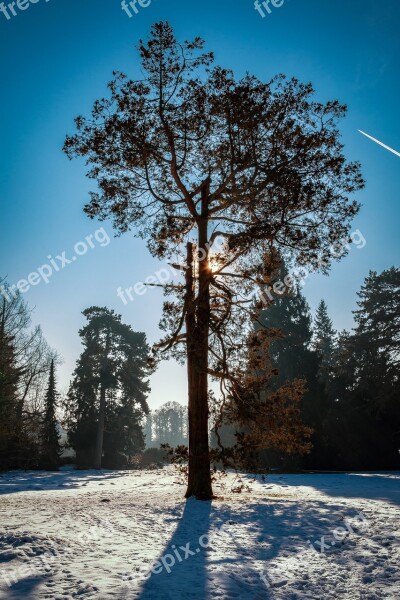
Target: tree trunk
x=104, y=378
x=100, y=428
x=197, y=330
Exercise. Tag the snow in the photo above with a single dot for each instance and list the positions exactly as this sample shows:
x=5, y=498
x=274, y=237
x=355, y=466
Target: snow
x=130, y=534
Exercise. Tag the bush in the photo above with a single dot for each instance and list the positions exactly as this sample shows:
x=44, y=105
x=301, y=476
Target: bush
x=150, y=458
x=115, y=460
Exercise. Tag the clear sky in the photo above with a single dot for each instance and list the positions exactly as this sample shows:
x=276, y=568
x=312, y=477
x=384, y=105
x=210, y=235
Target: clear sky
x=57, y=57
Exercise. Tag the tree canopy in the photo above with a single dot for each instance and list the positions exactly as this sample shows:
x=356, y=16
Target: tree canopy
x=189, y=155
x=107, y=396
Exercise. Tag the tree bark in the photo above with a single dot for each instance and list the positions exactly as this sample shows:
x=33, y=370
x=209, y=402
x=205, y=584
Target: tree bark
x=197, y=331
x=104, y=375
x=100, y=428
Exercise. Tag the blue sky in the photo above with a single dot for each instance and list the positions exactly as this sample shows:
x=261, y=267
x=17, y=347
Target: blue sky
x=57, y=57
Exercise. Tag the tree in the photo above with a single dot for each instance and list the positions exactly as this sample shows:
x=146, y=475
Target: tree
x=265, y=415
x=107, y=396
x=50, y=436
x=9, y=376
x=367, y=384
x=148, y=430
x=288, y=313
x=24, y=360
x=378, y=315
x=168, y=425
x=324, y=337
x=32, y=352
x=187, y=157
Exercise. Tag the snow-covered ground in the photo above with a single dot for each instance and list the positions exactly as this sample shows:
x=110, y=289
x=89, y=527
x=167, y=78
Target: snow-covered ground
x=86, y=534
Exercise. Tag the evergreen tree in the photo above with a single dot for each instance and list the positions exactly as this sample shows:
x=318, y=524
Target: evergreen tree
x=324, y=337
x=293, y=357
x=188, y=154
x=50, y=436
x=290, y=353
x=107, y=396
x=367, y=382
x=270, y=411
x=378, y=316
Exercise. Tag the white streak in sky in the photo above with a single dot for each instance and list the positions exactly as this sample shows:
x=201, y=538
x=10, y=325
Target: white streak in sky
x=380, y=143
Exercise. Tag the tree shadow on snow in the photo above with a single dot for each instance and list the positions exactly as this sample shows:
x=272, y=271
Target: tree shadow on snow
x=234, y=563
x=183, y=561
x=266, y=552
x=31, y=481
x=25, y=588
x=384, y=486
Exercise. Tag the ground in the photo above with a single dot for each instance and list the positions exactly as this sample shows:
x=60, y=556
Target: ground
x=119, y=534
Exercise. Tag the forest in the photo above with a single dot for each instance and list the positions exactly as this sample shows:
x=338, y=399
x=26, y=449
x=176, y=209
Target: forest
x=346, y=417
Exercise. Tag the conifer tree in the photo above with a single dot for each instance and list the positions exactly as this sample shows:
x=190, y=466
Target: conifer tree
x=50, y=435
x=189, y=155
x=107, y=396
x=367, y=382
x=289, y=314
x=291, y=354
x=324, y=336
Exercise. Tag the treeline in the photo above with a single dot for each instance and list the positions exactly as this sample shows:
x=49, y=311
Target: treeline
x=352, y=384
x=29, y=432
x=167, y=425
x=342, y=387
x=105, y=404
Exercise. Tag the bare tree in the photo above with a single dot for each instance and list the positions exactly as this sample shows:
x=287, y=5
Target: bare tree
x=31, y=359
x=32, y=353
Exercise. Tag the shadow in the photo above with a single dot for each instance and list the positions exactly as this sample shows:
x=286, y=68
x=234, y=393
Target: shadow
x=383, y=486
x=279, y=539
x=24, y=588
x=185, y=576
x=266, y=551
x=31, y=481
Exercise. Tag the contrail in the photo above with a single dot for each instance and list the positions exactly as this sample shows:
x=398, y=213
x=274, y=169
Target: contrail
x=380, y=143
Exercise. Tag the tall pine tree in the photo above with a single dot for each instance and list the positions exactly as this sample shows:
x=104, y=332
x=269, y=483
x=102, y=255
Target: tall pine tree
x=189, y=154
x=50, y=437
x=294, y=358
x=367, y=381
x=107, y=396
x=324, y=336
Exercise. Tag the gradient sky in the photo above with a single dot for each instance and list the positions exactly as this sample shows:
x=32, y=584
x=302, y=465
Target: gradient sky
x=57, y=57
